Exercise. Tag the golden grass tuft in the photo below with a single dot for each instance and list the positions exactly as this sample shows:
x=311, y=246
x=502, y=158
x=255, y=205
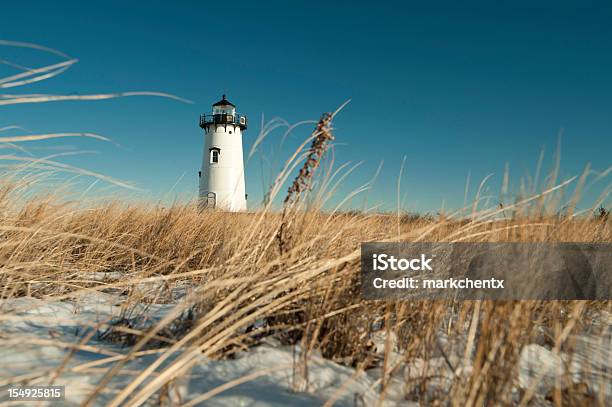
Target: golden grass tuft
x=231, y=263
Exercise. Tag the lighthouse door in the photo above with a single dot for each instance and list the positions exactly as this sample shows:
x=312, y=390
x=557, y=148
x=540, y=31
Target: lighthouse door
x=211, y=200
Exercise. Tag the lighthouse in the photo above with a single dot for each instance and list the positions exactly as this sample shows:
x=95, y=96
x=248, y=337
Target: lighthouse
x=222, y=172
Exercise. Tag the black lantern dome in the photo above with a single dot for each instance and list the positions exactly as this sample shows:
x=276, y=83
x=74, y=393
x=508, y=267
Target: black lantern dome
x=223, y=102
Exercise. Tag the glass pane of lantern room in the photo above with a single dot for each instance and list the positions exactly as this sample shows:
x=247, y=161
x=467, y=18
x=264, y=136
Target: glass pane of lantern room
x=224, y=109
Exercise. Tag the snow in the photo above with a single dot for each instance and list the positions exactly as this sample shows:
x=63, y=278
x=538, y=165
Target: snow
x=37, y=336
x=542, y=369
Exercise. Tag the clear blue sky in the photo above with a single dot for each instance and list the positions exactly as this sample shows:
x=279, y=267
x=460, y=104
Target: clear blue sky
x=454, y=88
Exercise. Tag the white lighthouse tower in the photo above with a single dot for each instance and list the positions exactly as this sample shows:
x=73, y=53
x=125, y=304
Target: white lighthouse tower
x=222, y=173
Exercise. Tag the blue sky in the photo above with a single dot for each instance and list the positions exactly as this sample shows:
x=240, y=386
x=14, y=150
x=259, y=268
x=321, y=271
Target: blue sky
x=455, y=89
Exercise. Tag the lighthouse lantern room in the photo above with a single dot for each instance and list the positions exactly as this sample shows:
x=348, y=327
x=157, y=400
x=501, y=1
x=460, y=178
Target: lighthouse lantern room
x=222, y=172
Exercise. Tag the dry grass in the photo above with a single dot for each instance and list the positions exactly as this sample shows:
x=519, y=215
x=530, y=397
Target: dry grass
x=308, y=295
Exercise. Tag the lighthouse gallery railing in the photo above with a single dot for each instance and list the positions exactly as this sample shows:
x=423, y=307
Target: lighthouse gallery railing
x=237, y=119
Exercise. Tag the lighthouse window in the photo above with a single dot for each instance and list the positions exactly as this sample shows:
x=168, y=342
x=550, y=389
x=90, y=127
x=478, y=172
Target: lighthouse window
x=214, y=155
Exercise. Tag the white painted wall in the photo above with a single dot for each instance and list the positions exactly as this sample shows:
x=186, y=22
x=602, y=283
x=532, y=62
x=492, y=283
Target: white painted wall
x=225, y=178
